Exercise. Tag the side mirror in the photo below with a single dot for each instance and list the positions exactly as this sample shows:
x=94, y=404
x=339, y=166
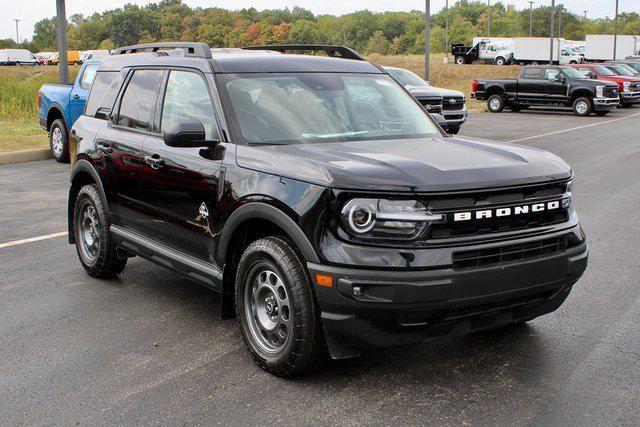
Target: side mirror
x=186, y=134
x=441, y=121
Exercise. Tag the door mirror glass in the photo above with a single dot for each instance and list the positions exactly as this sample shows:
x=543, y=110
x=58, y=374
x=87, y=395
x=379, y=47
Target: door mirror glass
x=186, y=134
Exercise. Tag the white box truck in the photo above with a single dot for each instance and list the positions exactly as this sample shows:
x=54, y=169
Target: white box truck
x=535, y=50
x=600, y=47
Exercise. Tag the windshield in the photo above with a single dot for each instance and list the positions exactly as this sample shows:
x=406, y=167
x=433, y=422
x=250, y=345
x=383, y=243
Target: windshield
x=406, y=77
x=634, y=65
x=573, y=73
x=619, y=69
x=603, y=71
x=314, y=107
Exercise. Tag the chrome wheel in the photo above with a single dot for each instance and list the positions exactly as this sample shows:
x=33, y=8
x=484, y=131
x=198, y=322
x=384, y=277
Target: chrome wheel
x=582, y=107
x=57, y=144
x=267, y=310
x=495, y=104
x=89, y=233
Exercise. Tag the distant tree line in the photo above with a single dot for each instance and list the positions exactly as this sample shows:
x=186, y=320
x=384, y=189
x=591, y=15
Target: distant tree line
x=385, y=33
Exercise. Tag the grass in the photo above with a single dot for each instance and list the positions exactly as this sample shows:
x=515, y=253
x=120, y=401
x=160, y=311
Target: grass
x=19, y=86
x=19, y=129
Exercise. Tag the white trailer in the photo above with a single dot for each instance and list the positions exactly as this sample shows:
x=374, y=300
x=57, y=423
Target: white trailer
x=600, y=47
x=535, y=50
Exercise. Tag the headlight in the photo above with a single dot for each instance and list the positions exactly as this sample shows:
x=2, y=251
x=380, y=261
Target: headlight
x=567, y=198
x=626, y=86
x=387, y=219
x=599, y=91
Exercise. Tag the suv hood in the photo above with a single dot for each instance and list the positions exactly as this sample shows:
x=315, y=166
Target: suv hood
x=419, y=91
x=407, y=165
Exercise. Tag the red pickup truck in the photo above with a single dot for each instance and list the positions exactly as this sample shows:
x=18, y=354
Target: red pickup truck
x=629, y=86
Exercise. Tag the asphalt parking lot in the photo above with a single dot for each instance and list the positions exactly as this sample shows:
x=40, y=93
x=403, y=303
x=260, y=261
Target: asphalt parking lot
x=149, y=347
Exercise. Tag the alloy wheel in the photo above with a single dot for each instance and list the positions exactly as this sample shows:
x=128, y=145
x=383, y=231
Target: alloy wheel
x=56, y=142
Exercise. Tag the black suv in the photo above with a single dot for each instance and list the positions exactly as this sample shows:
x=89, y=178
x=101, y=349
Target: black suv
x=318, y=197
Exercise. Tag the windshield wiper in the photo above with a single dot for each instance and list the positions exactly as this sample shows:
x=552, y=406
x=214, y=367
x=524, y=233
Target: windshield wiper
x=334, y=135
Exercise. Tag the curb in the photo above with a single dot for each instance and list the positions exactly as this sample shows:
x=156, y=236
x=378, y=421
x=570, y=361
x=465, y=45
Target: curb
x=25, y=156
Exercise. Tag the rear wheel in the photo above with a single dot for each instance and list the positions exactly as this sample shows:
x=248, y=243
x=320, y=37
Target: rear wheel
x=277, y=312
x=94, y=244
x=495, y=103
x=582, y=106
x=59, y=141
x=461, y=60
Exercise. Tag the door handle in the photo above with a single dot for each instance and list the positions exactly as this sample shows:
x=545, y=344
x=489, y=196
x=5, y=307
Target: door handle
x=76, y=96
x=155, y=161
x=105, y=147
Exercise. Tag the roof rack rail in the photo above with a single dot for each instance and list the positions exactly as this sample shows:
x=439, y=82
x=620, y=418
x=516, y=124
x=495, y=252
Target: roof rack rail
x=196, y=50
x=330, y=50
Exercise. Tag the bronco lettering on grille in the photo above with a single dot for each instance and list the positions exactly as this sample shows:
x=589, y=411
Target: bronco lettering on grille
x=506, y=212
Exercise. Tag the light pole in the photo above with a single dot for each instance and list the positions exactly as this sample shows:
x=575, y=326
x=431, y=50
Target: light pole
x=531, y=18
x=615, y=33
x=427, y=44
x=559, y=22
x=489, y=18
x=586, y=27
x=61, y=29
x=446, y=28
x=553, y=9
x=17, y=34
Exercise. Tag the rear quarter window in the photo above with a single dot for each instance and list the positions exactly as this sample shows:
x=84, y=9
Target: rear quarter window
x=532, y=73
x=104, y=91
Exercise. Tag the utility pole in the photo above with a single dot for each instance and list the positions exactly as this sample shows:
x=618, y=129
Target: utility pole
x=427, y=44
x=531, y=18
x=446, y=28
x=586, y=27
x=615, y=33
x=61, y=29
x=559, y=22
x=489, y=18
x=553, y=10
x=17, y=34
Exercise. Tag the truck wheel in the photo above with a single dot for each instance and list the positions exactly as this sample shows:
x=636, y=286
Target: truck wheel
x=500, y=61
x=495, y=103
x=59, y=141
x=460, y=60
x=94, y=244
x=582, y=106
x=277, y=313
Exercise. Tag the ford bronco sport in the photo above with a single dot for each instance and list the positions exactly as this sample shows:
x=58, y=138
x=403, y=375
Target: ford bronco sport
x=318, y=197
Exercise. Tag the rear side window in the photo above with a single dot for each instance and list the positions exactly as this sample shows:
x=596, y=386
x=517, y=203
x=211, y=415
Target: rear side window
x=88, y=76
x=139, y=99
x=103, y=93
x=532, y=73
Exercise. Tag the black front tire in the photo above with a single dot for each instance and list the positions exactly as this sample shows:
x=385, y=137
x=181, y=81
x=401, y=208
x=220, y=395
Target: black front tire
x=301, y=348
x=495, y=103
x=59, y=141
x=102, y=261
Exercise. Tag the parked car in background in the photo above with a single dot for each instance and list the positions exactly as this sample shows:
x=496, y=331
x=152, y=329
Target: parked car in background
x=622, y=70
x=73, y=57
x=93, y=54
x=43, y=57
x=454, y=106
x=59, y=106
x=17, y=57
x=629, y=87
x=483, y=52
x=549, y=85
x=318, y=198
x=633, y=63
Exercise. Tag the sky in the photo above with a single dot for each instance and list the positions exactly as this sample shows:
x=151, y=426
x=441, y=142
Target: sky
x=31, y=11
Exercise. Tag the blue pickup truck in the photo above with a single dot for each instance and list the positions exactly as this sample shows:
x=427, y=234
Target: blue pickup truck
x=59, y=106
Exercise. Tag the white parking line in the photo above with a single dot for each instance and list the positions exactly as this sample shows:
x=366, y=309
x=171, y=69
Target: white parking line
x=32, y=239
x=573, y=129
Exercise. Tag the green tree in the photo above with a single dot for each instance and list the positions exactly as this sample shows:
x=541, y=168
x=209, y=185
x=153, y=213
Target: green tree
x=44, y=34
x=304, y=32
x=378, y=43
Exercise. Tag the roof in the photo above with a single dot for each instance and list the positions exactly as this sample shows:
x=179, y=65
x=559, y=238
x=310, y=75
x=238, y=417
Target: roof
x=232, y=60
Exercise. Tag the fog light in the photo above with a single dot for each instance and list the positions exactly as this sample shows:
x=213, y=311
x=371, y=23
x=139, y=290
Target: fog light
x=357, y=291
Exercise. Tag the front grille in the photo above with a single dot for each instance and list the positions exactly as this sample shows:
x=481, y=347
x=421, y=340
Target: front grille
x=451, y=103
x=450, y=205
x=508, y=254
x=610, y=92
x=432, y=105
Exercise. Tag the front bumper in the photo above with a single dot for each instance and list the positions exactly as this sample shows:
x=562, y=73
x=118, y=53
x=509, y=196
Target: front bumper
x=455, y=117
x=605, y=103
x=630, y=97
x=393, y=307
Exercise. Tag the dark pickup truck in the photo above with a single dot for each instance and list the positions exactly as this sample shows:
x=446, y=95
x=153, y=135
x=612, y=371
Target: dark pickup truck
x=550, y=85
